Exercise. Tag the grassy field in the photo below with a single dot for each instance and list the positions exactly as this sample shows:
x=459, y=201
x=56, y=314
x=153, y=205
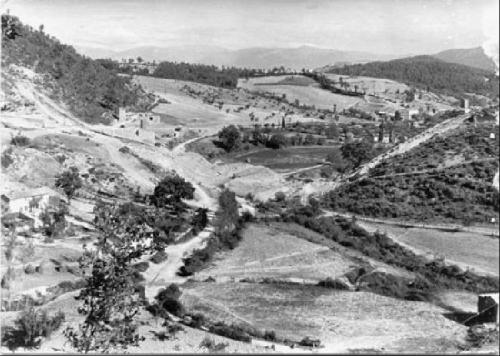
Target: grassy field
x=335, y=317
x=477, y=251
x=286, y=159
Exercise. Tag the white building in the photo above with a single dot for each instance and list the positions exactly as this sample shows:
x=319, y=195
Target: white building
x=406, y=114
x=30, y=203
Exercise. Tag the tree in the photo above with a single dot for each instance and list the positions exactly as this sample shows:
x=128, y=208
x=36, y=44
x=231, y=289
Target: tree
x=54, y=220
x=336, y=160
x=170, y=190
x=69, y=181
x=140, y=60
x=109, y=302
x=276, y=141
x=332, y=131
x=357, y=152
x=227, y=215
x=230, y=138
x=11, y=27
x=309, y=140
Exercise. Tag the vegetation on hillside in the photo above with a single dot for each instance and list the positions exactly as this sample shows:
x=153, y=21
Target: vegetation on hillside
x=430, y=276
x=429, y=73
x=87, y=87
x=225, y=77
x=431, y=197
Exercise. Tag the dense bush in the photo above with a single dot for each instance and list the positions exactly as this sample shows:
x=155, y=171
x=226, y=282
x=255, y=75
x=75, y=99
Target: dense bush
x=427, y=197
x=167, y=301
x=30, y=327
x=171, y=190
x=276, y=141
x=230, y=138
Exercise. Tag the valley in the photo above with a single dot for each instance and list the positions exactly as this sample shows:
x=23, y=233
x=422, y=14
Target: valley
x=282, y=214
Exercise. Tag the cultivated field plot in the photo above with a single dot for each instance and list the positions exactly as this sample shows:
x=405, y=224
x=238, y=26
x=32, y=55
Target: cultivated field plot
x=337, y=318
x=184, y=109
x=267, y=252
x=309, y=95
x=287, y=251
x=371, y=85
x=288, y=158
x=479, y=252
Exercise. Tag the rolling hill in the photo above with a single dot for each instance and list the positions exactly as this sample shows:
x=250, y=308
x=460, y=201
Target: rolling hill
x=427, y=72
x=472, y=57
x=256, y=57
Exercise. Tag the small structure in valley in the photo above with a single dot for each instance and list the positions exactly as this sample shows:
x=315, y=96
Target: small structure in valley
x=487, y=306
x=23, y=207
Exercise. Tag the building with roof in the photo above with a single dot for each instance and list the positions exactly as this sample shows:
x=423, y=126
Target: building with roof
x=28, y=204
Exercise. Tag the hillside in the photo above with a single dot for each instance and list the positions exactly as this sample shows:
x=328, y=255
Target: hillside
x=472, y=57
x=85, y=86
x=429, y=73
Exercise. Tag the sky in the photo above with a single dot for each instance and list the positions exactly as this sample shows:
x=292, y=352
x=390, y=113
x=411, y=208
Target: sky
x=377, y=26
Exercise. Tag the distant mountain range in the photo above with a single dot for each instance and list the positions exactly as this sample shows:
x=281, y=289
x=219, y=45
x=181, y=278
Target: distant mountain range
x=295, y=58
x=472, y=57
x=256, y=57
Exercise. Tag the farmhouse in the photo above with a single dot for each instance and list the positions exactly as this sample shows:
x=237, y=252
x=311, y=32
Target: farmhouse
x=27, y=205
x=406, y=114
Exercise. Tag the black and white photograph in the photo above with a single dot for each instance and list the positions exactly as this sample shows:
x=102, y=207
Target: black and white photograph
x=249, y=177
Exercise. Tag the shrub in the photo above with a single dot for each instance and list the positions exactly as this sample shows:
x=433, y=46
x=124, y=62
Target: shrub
x=232, y=331
x=20, y=140
x=141, y=266
x=212, y=346
x=7, y=159
x=159, y=257
x=170, y=190
x=124, y=149
x=168, y=301
x=30, y=327
x=280, y=196
x=270, y=335
x=333, y=283
x=307, y=341
x=230, y=138
x=276, y=141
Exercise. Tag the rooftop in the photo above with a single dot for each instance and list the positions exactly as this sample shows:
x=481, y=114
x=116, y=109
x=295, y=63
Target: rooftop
x=27, y=193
